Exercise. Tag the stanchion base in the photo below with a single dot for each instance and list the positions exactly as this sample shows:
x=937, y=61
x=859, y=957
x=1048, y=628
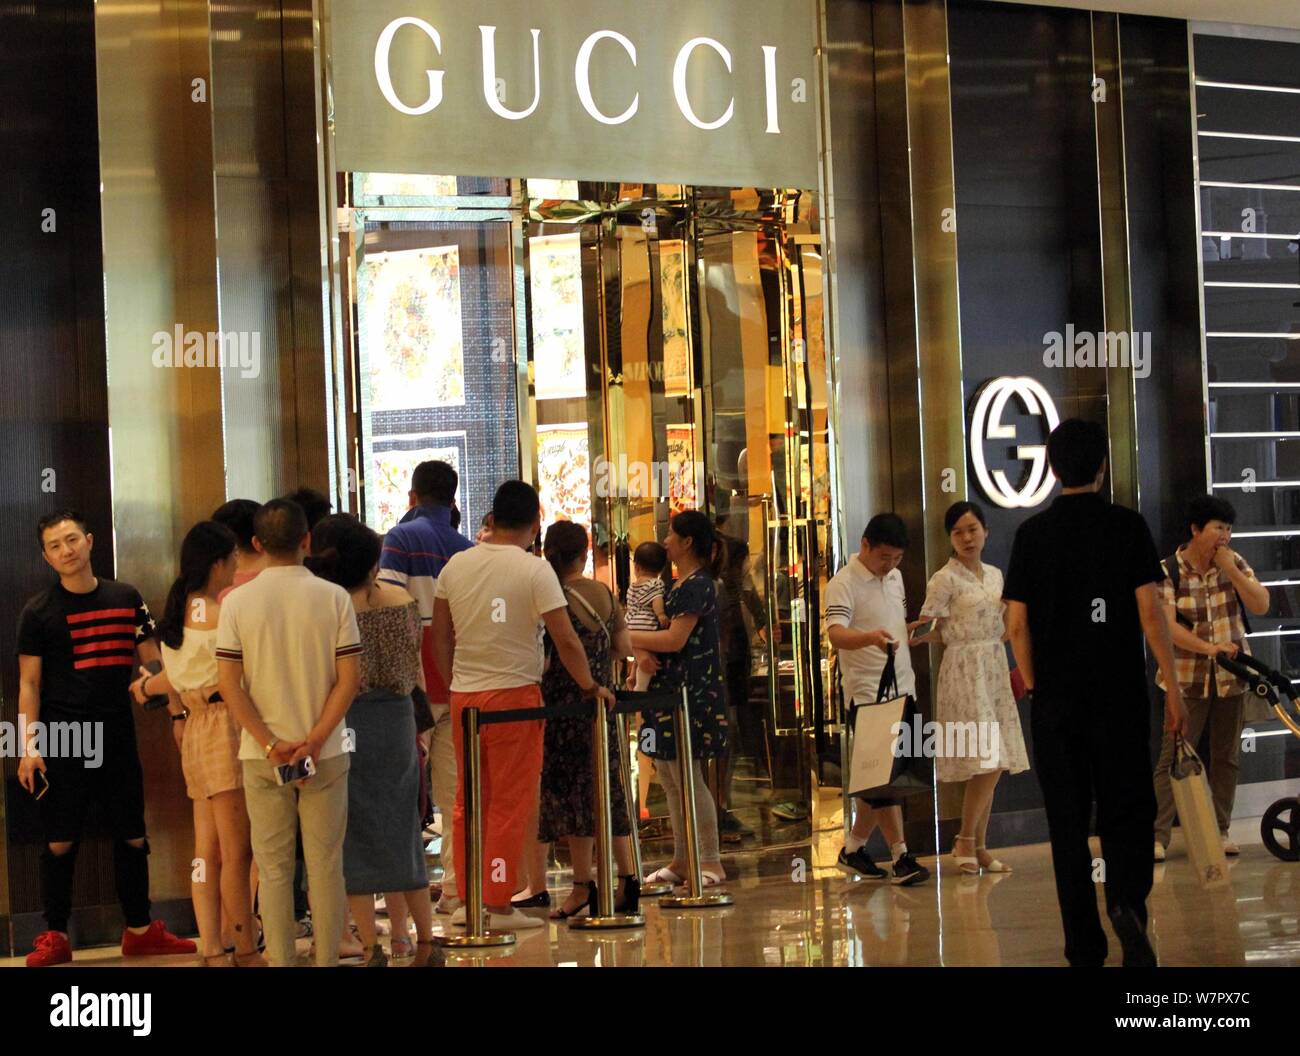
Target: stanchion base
x=489, y=938
x=719, y=898
x=652, y=890
x=617, y=920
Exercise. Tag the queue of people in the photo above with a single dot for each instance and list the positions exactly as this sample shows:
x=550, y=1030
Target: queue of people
x=316, y=676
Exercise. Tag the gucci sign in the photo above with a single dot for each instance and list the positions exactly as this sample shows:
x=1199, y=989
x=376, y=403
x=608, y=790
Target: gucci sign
x=986, y=424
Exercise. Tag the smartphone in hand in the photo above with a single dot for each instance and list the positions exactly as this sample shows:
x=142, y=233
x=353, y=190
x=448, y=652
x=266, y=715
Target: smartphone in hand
x=299, y=771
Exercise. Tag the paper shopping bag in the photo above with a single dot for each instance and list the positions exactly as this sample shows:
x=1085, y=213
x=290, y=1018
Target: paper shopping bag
x=1196, y=816
x=882, y=765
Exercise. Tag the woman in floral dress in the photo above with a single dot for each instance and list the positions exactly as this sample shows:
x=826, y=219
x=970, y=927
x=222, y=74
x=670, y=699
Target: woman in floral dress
x=688, y=654
x=965, y=597
x=566, y=808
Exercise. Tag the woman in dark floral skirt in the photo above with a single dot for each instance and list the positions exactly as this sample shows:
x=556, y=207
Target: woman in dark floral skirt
x=688, y=655
x=568, y=777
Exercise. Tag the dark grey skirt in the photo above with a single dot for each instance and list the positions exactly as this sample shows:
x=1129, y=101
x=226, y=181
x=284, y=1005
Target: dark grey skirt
x=383, y=850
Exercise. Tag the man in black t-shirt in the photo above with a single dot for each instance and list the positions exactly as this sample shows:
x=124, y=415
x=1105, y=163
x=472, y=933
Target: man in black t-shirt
x=78, y=645
x=1081, y=593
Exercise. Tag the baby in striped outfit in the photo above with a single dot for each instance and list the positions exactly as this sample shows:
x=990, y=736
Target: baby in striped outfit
x=645, y=601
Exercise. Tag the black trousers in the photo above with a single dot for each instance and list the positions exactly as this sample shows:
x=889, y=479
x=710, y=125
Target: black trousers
x=1096, y=749
x=116, y=787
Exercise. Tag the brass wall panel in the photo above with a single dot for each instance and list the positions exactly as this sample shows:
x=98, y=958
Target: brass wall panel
x=852, y=238
x=934, y=232
x=155, y=156
x=1112, y=194
x=269, y=174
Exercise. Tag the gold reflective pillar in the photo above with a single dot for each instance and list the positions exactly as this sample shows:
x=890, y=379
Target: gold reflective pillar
x=1112, y=199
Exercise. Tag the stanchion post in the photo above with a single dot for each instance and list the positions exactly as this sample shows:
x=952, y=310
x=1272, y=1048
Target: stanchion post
x=605, y=917
x=476, y=932
x=695, y=897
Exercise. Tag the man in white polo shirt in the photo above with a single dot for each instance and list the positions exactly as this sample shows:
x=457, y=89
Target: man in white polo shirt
x=288, y=666
x=866, y=611
x=489, y=607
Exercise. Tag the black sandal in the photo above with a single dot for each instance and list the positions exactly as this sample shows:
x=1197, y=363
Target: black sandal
x=629, y=894
x=589, y=905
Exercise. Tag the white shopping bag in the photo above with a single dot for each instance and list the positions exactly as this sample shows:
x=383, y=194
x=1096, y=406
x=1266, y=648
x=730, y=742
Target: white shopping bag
x=874, y=733
x=1196, y=816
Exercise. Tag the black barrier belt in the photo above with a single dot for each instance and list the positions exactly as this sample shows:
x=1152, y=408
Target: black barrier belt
x=631, y=706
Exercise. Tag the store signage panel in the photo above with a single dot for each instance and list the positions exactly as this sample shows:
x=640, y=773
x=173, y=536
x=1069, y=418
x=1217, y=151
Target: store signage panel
x=652, y=91
x=987, y=423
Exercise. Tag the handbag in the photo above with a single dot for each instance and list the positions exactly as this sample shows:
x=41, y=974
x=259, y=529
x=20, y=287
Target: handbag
x=882, y=764
x=423, y=710
x=1196, y=816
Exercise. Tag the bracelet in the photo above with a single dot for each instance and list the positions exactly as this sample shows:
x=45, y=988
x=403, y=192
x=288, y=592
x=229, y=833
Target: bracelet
x=181, y=716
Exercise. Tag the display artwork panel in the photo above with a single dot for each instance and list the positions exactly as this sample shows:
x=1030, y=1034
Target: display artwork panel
x=389, y=483
x=404, y=185
x=677, y=344
x=555, y=285
x=564, y=472
x=411, y=332
x=682, y=483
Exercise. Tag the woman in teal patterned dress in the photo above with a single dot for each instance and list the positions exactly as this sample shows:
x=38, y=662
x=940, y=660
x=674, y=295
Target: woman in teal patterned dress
x=688, y=654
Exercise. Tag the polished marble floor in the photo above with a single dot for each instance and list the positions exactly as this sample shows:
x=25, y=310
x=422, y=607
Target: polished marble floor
x=793, y=907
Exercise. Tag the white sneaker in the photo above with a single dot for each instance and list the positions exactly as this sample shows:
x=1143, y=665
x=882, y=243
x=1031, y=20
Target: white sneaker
x=1160, y=851
x=447, y=904
x=515, y=920
x=1230, y=848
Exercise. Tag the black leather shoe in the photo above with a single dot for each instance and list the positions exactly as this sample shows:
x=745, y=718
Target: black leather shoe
x=538, y=901
x=1133, y=937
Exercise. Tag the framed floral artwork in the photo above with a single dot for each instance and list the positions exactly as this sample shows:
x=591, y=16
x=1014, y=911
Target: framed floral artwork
x=555, y=286
x=388, y=483
x=677, y=343
x=411, y=332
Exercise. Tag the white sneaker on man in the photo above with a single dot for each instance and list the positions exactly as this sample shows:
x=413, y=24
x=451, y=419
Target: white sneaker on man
x=447, y=904
x=1160, y=851
x=1230, y=848
x=515, y=919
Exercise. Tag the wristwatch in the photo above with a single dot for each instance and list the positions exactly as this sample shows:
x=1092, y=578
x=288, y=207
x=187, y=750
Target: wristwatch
x=181, y=716
x=267, y=749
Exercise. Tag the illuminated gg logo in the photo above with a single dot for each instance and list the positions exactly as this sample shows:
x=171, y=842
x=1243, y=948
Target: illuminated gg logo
x=986, y=424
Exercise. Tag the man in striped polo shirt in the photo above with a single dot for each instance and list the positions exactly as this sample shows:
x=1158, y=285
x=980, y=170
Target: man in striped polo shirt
x=415, y=552
x=79, y=644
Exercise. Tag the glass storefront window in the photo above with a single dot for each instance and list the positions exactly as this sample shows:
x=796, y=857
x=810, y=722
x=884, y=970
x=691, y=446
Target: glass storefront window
x=634, y=350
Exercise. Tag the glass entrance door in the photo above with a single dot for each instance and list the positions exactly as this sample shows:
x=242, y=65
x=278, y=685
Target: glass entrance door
x=634, y=351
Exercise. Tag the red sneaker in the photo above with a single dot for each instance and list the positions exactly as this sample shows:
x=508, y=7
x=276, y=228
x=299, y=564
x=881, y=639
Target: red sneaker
x=50, y=947
x=154, y=942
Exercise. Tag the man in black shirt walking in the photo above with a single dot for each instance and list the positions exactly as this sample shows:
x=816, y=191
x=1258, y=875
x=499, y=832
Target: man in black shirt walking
x=1081, y=592
x=79, y=643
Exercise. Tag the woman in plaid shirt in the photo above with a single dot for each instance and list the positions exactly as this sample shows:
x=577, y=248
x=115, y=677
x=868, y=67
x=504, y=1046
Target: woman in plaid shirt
x=1203, y=599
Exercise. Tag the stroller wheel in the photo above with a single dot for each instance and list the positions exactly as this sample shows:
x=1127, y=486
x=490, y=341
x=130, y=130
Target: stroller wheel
x=1280, y=829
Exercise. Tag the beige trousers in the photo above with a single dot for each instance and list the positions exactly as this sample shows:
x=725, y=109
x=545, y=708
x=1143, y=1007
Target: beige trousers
x=320, y=806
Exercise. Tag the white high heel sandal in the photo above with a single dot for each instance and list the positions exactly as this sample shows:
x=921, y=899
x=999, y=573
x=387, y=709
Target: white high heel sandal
x=966, y=866
x=994, y=866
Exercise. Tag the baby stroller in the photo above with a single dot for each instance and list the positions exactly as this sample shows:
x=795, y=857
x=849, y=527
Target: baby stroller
x=1280, y=826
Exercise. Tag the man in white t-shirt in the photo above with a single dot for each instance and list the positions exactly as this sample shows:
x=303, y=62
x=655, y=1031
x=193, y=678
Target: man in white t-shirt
x=489, y=607
x=288, y=666
x=866, y=611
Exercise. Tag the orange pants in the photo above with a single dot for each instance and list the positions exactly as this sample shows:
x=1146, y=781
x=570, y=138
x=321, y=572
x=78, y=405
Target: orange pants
x=511, y=767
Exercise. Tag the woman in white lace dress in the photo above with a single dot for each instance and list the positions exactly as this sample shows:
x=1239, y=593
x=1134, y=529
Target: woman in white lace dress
x=965, y=597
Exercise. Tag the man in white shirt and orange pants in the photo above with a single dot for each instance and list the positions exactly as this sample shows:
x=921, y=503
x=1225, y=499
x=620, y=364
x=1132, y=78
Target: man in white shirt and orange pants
x=489, y=607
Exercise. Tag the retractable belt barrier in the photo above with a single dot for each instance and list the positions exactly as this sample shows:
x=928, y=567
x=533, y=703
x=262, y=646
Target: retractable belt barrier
x=473, y=719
